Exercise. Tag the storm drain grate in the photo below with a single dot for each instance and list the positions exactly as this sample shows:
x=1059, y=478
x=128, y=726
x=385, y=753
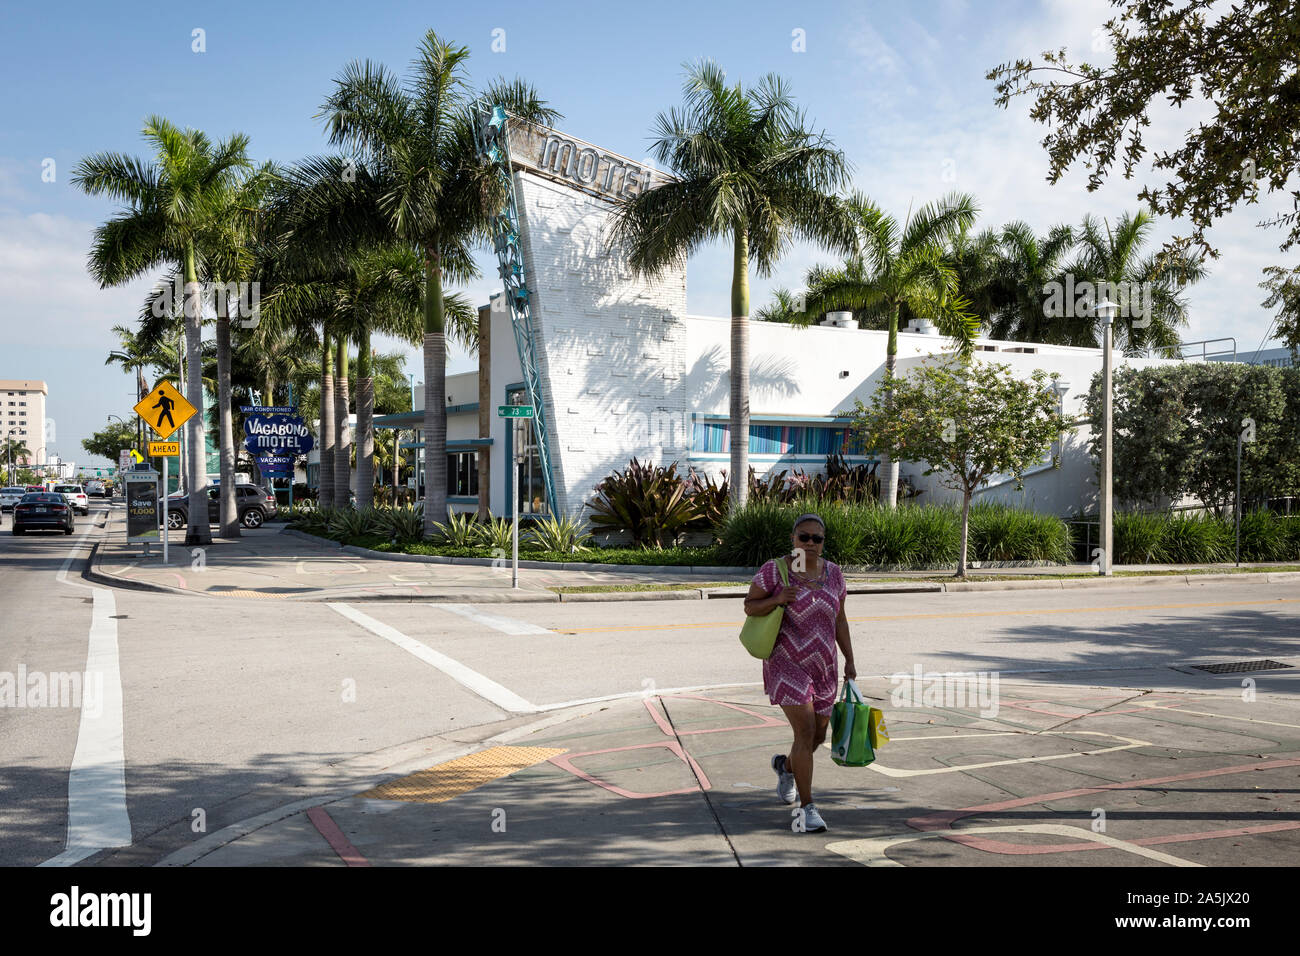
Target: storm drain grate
x=1240, y=667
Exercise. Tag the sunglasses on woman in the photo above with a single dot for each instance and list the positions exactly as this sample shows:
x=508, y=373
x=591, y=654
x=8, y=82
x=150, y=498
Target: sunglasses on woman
x=814, y=538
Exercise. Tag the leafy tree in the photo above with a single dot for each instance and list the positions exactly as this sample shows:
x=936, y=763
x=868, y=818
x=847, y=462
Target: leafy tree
x=1176, y=431
x=1284, y=294
x=967, y=420
x=107, y=442
x=1240, y=58
x=750, y=172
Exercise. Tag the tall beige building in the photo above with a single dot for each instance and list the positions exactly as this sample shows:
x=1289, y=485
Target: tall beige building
x=22, y=416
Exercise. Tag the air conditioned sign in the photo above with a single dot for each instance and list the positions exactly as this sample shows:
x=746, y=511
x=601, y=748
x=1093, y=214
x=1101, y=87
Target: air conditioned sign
x=580, y=164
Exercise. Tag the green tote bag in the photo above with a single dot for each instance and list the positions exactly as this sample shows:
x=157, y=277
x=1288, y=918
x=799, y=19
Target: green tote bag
x=851, y=729
x=760, y=631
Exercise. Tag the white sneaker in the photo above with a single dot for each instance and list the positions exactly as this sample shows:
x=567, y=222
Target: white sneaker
x=812, y=820
x=785, y=786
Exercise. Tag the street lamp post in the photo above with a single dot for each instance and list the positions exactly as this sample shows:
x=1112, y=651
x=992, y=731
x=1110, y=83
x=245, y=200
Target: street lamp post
x=1106, y=310
x=9, y=448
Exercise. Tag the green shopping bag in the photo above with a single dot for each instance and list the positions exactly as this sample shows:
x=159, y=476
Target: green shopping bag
x=760, y=631
x=851, y=729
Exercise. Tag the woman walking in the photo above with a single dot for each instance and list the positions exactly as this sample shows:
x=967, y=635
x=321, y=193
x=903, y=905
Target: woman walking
x=801, y=675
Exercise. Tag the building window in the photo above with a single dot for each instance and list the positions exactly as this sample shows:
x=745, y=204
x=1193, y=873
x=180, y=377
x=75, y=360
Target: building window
x=775, y=439
x=462, y=474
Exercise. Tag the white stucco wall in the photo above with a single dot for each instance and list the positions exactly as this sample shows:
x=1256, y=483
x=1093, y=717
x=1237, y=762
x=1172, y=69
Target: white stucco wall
x=611, y=348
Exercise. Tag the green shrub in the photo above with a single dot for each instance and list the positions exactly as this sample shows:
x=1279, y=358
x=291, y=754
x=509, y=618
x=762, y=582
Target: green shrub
x=846, y=528
x=1264, y=537
x=558, y=534
x=1002, y=533
x=403, y=524
x=346, y=523
x=460, y=531
x=756, y=533
x=498, y=534
x=1196, y=539
x=649, y=502
x=1139, y=538
x=1291, y=527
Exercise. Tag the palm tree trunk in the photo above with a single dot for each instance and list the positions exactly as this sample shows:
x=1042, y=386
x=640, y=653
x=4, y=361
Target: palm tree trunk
x=197, y=530
x=740, y=372
x=342, y=434
x=397, y=462
x=365, y=425
x=229, y=523
x=325, y=474
x=435, y=390
x=888, y=470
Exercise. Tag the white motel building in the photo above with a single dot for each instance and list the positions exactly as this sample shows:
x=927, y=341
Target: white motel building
x=622, y=371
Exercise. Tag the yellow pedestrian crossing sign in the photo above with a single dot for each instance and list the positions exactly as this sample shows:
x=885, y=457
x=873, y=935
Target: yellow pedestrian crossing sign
x=164, y=409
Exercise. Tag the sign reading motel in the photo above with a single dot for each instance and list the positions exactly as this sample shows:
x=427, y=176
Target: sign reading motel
x=579, y=164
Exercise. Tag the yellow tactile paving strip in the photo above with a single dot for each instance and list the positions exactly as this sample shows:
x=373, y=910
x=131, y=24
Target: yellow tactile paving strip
x=449, y=780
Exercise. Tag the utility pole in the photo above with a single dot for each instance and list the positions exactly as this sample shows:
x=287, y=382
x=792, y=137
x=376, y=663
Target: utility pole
x=1106, y=310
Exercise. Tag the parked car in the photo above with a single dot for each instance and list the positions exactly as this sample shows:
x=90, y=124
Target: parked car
x=46, y=510
x=76, y=495
x=11, y=496
x=255, y=506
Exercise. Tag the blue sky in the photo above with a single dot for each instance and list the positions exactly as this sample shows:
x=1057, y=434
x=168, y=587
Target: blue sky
x=899, y=87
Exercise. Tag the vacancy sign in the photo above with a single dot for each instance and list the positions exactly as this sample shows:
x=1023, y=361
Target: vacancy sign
x=165, y=409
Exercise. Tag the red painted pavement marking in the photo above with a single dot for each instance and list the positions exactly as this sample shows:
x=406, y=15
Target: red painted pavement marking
x=334, y=836
x=944, y=819
x=565, y=761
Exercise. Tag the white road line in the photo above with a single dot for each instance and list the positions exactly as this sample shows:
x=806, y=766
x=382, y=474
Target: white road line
x=505, y=625
x=871, y=851
x=472, y=680
x=97, y=814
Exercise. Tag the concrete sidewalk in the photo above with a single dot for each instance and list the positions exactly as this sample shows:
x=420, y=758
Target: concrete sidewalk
x=265, y=563
x=1056, y=775
x=268, y=563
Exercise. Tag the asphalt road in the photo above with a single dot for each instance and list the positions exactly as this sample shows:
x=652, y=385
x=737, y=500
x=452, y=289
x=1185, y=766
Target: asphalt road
x=230, y=706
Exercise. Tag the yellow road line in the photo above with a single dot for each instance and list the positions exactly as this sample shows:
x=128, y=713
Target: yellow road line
x=449, y=780
x=953, y=614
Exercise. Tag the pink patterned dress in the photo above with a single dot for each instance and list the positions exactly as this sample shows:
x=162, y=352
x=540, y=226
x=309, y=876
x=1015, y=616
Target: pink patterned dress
x=804, y=665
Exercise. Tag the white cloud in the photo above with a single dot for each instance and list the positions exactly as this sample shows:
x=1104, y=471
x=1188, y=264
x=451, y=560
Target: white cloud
x=49, y=296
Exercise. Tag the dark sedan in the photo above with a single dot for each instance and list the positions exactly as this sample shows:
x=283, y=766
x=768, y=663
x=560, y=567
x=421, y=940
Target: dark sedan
x=46, y=510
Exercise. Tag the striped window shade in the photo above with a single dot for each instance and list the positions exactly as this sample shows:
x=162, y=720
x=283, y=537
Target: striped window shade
x=773, y=439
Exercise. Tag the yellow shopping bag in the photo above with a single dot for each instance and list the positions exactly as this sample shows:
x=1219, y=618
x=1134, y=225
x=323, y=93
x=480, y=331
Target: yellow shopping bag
x=877, y=732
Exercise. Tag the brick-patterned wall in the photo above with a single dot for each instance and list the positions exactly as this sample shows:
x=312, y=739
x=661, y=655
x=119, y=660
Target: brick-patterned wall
x=611, y=347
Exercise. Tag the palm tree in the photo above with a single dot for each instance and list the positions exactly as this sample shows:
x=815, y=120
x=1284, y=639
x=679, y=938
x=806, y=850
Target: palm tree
x=1115, y=258
x=134, y=356
x=170, y=206
x=900, y=267
x=1027, y=267
x=232, y=242
x=415, y=178
x=12, y=449
x=748, y=172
